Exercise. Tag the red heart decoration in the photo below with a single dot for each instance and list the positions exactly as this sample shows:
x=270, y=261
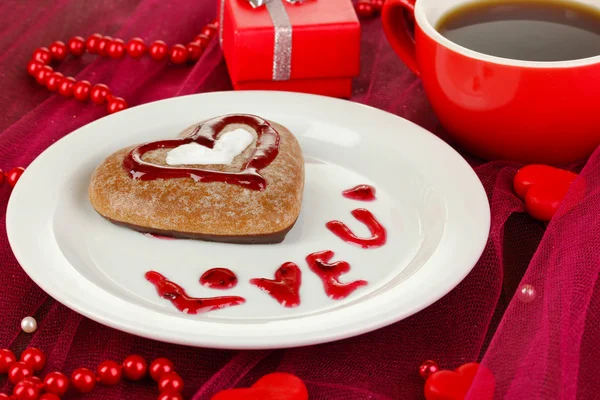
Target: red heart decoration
x=267, y=148
x=274, y=386
x=454, y=385
x=543, y=189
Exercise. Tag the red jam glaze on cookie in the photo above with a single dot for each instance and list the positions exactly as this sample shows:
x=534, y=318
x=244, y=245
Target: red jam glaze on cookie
x=267, y=148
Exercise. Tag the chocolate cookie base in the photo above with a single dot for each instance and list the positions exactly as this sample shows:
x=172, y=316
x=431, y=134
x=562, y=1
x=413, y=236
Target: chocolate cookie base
x=272, y=238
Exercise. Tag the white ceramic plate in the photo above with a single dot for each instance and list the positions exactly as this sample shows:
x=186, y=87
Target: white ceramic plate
x=431, y=202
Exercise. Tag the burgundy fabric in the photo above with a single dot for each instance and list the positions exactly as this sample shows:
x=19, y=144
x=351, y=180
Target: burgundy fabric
x=544, y=349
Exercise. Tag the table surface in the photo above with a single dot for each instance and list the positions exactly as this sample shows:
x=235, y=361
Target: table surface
x=543, y=349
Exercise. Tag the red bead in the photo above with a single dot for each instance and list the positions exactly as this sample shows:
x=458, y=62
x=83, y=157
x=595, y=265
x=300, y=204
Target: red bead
x=170, y=381
x=103, y=44
x=4, y=396
x=12, y=177
x=7, y=357
x=134, y=367
x=210, y=30
x=42, y=74
x=81, y=90
x=19, y=370
x=179, y=54
x=36, y=381
x=364, y=9
x=116, y=48
x=91, y=44
x=109, y=373
x=159, y=367
x=194, y=51
x=170, y=395
x=136, y=47
x=58, y=50
x=56, y=382
x=54, y=80
x=215, y=22
x=49, y=396
x=76, y=45
x=66, y=86
x=26, y=390
x=202, y=40
x=98, y=93
x=83, y=380
x=377, y=5
x=42, y=55
x=116, y=104
x=158, y=50
x=34, y=357
x=427, y=368
x=33, y=66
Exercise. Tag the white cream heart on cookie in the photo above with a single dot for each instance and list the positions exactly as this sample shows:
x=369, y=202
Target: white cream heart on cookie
x=229, y=145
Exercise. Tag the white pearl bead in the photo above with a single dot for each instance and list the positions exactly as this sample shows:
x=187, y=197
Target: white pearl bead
x=29, y=325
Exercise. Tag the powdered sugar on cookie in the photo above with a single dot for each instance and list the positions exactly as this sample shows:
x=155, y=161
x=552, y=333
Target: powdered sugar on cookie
x=228, y=146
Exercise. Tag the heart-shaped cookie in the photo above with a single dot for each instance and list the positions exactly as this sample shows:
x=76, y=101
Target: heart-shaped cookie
x=255, y=199
x=274, y=386
x=543, y=189
x=454, y=385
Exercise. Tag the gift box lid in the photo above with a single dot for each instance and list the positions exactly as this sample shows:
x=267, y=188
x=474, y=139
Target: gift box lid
x=325, y=39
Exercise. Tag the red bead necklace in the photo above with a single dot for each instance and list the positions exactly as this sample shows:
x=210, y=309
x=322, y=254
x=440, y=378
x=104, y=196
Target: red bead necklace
x=368, y=8
x=39, y=68
x=11, y=176
x=106, y=46
x=55, y=384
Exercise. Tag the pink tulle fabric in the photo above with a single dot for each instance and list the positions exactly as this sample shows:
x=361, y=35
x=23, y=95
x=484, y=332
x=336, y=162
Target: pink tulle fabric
x=541, y=349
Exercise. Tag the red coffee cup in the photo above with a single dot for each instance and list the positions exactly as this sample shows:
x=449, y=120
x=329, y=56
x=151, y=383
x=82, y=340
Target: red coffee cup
x=497, y=108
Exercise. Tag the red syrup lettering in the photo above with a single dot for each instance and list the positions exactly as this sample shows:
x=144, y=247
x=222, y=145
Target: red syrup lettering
x=360, y=193
x=286, y=286
x=249, y=177
x=378, y=232
x=184, y=303
x=330, y=274
x=219, y=278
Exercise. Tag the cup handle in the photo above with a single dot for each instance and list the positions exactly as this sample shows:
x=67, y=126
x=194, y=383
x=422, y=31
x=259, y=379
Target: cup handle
x=397, y=31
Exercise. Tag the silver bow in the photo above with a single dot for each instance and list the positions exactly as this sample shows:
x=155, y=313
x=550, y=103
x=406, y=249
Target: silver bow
x=282, y=50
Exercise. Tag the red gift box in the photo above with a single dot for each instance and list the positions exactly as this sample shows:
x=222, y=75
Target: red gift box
x=311, y=47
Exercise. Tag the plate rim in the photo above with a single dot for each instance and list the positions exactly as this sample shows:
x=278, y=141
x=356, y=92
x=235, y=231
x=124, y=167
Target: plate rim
x=234, y=342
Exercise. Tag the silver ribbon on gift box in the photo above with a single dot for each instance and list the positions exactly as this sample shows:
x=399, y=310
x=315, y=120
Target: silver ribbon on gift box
x=282, y=50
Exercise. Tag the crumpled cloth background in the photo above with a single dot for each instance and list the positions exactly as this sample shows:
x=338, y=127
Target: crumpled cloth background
x=545, y=349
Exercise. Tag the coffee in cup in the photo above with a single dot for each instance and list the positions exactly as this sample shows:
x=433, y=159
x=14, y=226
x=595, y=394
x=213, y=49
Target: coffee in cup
x=530, y=30
x=509, y=79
